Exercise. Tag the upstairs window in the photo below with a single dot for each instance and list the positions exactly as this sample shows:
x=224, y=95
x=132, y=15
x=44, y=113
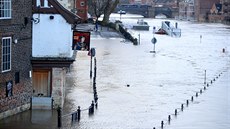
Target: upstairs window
x=5, y=9
x=82, y=3
x=6, y=54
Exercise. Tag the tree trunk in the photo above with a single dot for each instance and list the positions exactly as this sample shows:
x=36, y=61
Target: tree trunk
x=110, y=6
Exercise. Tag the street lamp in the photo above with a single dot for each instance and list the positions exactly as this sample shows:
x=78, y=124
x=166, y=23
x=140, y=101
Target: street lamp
x=92, y=54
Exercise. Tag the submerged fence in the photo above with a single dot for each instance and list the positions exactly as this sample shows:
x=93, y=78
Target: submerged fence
x=76, y=115
x=179, y=110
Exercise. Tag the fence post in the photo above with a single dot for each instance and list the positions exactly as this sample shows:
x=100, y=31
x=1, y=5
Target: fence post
x=79, y=113
x=92, y=106
x=59, y=116
x=162, y=124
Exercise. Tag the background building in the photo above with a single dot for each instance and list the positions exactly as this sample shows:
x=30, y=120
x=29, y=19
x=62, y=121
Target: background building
x=187, y=10
x=202, y=9
x=82, y=9
x=15, y=54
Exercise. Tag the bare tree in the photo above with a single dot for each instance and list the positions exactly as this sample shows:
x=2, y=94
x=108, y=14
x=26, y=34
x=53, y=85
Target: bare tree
x=109, y=8
x=105, y=7
x=97, y=7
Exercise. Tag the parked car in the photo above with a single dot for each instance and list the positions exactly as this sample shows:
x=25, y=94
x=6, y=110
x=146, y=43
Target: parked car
x=121, y=12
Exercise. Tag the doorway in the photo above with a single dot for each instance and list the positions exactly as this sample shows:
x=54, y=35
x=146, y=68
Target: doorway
x=41, y=83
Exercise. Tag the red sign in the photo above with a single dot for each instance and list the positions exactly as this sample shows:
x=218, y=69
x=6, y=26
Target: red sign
x=81, y=41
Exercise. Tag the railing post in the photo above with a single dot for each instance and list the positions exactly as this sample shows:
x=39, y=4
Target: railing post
x=79, y=113
x=59, y=116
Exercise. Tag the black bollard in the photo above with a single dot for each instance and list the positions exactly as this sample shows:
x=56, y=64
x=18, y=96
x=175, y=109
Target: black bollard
x=95, y=72
x=79, y=113
x=192, y=98
x=211, y=81
x=154, y=128
x=92, y=106
x=214, y=79
x=196, y=94
x=187, y=102
x=204, y=88
x=162, y=124
x=96, y=105
x=207, y=85
x=223, y=50
x=169, y=118
x=175, y=112
x=59, y=116
x=95, y=98
x=200, y=90
x=90, y=110
x=182, y=107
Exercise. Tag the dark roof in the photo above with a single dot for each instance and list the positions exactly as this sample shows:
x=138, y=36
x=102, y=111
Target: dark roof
x=49, y=62
x=56, y=8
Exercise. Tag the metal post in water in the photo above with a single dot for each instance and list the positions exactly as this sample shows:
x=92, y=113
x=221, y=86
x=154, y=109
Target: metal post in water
x=162, y=124
x=139, y=38
x=182, y=107
x=59, y=116
x=95, y=67
x=91, y=57
x=169, y=118
x=175, y=112
x=79, y=113
x=200, y=38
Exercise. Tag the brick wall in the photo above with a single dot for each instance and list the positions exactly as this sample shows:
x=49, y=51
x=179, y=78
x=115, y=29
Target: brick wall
x=202, y=8
x=18, y=27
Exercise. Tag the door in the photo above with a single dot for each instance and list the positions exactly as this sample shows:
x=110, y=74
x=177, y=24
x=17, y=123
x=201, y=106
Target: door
x=41, y=83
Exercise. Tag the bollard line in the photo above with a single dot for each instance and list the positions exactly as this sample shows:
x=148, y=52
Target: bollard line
x=187, y=103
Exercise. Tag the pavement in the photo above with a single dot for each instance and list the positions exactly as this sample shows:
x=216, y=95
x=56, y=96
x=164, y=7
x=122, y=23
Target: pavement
x=102, y=32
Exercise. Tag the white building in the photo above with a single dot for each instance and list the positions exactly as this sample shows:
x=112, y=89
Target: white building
x=52, y=32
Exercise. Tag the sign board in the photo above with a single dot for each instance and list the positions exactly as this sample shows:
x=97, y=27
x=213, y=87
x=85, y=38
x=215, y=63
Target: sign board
x=9, y=88
x=154, y=40
x=81, y=41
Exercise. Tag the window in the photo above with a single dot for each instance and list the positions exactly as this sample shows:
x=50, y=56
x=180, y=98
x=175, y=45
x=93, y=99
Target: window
x=6, y=54
x=82, y=3
x=5, y=9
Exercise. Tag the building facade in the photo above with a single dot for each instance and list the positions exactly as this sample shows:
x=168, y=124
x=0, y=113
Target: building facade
x=15, y=54
x=82, y=9
x=187, y=10
x=148, y=2
x=202, y=9
x=220, y=12
x=226, y=11
x=52, y=52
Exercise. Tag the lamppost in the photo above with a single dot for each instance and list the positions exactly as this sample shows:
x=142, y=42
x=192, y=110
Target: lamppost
x=120, y=14
x=92, y=54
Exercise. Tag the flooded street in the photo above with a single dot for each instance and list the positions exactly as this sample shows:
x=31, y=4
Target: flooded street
x=138, y=89
x=158, y=83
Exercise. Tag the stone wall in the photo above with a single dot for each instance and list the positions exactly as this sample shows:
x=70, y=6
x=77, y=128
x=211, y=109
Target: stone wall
x=58, y=83
x=17, y=27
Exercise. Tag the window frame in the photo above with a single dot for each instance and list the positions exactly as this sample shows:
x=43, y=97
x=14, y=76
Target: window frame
x=6, y=12
x=7, y=61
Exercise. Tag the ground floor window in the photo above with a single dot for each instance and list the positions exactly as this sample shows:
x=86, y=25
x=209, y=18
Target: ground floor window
x=6, y=54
